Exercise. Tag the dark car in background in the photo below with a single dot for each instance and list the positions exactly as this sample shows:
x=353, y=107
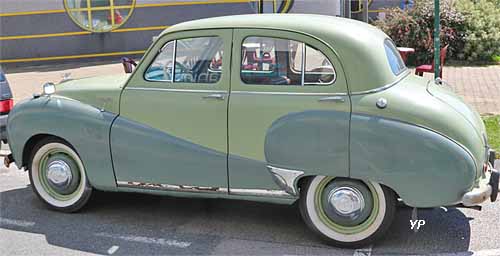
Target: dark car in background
x=6, y=103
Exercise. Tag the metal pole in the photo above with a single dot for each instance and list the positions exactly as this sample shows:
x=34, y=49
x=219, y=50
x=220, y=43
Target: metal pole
x=365, y=11
x=437, y=46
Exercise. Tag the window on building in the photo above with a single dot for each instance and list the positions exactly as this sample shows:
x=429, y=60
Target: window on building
x=275, y=61
x=197, y=60
x=99, y=15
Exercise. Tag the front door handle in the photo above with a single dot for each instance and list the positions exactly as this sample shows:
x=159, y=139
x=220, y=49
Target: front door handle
x=216, y=96
x=332, y=99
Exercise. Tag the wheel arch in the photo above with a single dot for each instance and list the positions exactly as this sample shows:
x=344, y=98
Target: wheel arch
x=32, y=142
x=84, y=127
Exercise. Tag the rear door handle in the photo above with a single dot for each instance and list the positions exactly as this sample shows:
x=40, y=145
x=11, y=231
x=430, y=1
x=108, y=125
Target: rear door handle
x=332, y=99
x=216, y=96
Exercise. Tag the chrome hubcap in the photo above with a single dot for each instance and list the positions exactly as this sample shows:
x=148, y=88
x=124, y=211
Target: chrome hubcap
x=59, y=173
x=347, y=201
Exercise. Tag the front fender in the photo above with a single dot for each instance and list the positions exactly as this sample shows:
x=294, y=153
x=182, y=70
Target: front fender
x=85, y=127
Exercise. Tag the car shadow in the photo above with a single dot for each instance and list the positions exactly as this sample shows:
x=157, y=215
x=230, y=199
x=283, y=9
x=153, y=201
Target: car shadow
x=149, y=224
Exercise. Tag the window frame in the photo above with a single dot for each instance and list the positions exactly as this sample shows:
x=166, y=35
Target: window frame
x=174, y=56
x=303, y=63
x=89, y=9
x=388, y=43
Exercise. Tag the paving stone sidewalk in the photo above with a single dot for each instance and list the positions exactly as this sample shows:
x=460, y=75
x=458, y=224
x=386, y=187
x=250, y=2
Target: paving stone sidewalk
x=480, y=86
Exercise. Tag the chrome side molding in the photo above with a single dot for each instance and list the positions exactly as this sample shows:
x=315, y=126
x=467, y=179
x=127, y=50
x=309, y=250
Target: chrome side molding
x=286, y=179
x=200, y=189
x=169, y=187
x=259, y=192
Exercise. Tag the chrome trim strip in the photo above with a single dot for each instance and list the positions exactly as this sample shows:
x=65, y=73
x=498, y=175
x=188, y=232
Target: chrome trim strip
x=286, y=179
x=290, y=93
x=259, y=192
x=174, y=90
x=303, y=65
x=404, y=74
x=201, y=189
x=169, y=187
x=174, y=55
x=238, y=92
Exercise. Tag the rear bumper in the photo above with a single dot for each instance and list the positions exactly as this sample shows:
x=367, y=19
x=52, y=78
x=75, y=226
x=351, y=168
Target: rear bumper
x=3, y=127
x=488, y=188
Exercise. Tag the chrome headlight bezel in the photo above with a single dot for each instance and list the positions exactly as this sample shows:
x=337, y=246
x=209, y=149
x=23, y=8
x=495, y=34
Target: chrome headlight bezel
x=48, y=88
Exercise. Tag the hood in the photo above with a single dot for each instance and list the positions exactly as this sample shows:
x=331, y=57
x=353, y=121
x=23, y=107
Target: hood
x=102, y=92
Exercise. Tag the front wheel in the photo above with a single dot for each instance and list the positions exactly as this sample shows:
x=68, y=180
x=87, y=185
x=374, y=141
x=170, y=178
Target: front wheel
x=58, y=176
x=347, y=212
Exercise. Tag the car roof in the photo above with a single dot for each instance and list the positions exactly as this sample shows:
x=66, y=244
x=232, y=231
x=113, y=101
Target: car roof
x=359, y=46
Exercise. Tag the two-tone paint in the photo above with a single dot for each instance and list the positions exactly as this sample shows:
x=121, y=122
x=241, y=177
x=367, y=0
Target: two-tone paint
x=257, y=142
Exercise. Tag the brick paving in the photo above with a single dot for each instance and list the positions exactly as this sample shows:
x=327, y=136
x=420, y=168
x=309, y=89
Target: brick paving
x=479, y=86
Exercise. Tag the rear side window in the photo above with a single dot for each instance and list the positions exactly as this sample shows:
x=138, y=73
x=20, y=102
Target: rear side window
x=277, y=61
x=395, y=61
x=197, y=60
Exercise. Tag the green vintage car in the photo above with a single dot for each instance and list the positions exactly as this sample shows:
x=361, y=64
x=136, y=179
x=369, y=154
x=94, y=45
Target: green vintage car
x=278, y=108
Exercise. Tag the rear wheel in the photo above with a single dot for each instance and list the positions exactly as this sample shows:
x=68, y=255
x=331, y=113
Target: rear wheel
x=58, y=176
x=347, y=212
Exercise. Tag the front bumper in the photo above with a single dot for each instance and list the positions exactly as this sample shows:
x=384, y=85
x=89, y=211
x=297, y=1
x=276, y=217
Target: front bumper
x=488, y=188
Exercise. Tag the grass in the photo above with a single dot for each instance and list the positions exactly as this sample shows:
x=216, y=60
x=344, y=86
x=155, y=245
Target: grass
x=492, y=124
x=496, y=58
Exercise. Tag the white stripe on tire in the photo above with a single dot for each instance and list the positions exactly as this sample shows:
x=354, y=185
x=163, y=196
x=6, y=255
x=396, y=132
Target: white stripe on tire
x=36, y=178
x=325, y=230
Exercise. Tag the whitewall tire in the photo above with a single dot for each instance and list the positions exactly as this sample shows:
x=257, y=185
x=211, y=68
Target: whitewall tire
x=347, y=212
x=58, y=176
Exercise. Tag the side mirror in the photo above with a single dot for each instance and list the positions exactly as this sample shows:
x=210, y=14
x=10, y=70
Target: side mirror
x=128, y=64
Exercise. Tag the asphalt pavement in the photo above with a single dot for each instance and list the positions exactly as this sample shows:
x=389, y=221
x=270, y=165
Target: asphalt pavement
x=135, y=224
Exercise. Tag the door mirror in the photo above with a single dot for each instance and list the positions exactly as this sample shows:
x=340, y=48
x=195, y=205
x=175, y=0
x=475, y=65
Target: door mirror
x=128, y=64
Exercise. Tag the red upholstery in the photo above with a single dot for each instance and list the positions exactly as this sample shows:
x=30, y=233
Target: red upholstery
x=420, y=70
x=424, y=68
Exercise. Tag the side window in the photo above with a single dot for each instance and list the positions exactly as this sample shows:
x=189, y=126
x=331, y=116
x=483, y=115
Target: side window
x=197, y=60
x=395, y=61
x=275, y=61
x=161, y=68
x=318, y=69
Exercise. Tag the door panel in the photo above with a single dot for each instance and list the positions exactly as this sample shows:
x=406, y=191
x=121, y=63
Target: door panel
x=175, y=132
x=288, y=126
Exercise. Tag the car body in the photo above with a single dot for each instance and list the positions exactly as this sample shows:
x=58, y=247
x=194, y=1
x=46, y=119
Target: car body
x=274, y=108
x=6, y=104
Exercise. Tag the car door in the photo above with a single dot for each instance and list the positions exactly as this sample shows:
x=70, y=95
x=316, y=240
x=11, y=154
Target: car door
x=172, y=128
x=281, y=116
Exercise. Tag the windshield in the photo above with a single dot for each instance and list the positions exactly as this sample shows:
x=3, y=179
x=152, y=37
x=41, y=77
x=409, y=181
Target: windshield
x=394, y=58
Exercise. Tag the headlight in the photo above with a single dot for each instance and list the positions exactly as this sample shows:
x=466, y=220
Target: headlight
x=49, y=88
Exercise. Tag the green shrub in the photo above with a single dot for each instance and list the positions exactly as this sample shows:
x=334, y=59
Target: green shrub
x=470, y=27
x=414, y=28
x=482, y=29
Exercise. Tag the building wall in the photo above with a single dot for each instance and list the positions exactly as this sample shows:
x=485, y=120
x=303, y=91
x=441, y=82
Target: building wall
x=40, y=31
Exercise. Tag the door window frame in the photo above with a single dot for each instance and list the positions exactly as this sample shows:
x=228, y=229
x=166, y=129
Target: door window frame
x=339, y=86
x=137, y=79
